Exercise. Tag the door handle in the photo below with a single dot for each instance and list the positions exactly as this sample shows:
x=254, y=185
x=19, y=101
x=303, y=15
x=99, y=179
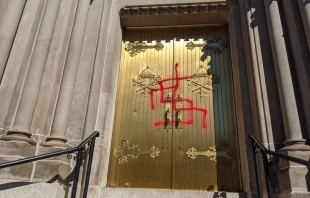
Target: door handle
x=177, y=118
x=167, y=124
x=167, y=116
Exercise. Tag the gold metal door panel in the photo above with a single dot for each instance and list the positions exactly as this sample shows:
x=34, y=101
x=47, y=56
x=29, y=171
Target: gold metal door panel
x=189, y=174
x=174, y=123
x=134, y=120
x=201, y=50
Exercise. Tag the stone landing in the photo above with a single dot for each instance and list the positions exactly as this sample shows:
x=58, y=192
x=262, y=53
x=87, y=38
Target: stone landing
x=54, y=190
x=150, y=193
x=31, y=190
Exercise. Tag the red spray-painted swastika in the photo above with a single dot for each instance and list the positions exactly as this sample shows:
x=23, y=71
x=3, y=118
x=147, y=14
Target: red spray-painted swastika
x=190, y=107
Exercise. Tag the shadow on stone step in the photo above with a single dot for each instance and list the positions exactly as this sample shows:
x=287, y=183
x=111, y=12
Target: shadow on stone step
x=10, y=185
x=65, y=182
x=219, y=195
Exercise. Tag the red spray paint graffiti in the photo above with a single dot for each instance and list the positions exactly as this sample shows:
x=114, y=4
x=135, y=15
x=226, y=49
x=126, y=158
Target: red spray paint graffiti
x=190, y=107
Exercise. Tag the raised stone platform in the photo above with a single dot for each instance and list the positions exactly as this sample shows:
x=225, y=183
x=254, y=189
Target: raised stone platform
x=31, y=190
x=152, y=193
x=55, y=190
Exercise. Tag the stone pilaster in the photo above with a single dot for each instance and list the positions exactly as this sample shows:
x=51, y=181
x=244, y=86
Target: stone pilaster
x=18, y=144
x=254, y=23
x=60, y=122
x=99, y=66
x=289, y=180
x=50, y=85
x=300, y=53
x=32, y=84
x=87, y=72
x=304, y=7
x=17, y=66
x=283, y=74
x=10, y=19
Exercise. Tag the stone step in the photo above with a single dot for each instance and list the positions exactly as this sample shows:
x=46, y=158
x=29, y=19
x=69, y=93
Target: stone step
x=31, y=190
x=157, y=193
x=55, y=190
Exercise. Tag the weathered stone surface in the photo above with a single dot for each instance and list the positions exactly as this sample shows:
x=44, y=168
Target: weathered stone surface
x=31, y=190
x=20, y=172
x=304, y=7
x=17, y=148
x=62, y=111
x=11, y=12
x=52, y=170
x=18, y=62
x=294, y=177
x=47, y=99
x=83, y=84
x=142, y=193
x=294, y=195
x=37, y=64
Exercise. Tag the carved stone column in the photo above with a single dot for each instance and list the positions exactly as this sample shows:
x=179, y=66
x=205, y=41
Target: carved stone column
x=291, y=175
x=87, y=75
x=300, y=53
x=304, y=7
x=283, y=74
x=60, y=122
x=20, y=145
x=32, y=84
x=51, y=80
x=18, y=63
x=8, y=28
x=259, y=60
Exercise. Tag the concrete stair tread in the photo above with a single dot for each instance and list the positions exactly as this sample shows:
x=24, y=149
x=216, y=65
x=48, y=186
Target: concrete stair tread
x=161, y=193
x=31, y=190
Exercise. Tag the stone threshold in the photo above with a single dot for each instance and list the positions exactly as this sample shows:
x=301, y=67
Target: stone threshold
x=160, y=193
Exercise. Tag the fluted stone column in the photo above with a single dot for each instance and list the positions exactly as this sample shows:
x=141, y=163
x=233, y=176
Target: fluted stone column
x=300, y=52
x=8, y=27
x=291, y=176
x=86, y=74
x=50, y=85
x=283, y=74
x=304, y=6
x=263, y=109
x=32, y=84
x=60, y=122
x=3, y=8
x=17, y=66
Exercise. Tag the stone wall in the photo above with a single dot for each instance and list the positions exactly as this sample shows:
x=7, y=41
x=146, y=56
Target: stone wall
x=52, y=62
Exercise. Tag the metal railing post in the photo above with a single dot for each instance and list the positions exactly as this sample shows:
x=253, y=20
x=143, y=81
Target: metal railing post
x=267, y=174
x=80, y=149
x=257, y=145
x=257, y=174
x=90, y=159
x=76, y=173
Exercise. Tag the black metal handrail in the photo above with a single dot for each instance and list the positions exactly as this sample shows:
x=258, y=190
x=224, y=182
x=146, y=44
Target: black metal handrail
x=257, y=145
x=80, y=149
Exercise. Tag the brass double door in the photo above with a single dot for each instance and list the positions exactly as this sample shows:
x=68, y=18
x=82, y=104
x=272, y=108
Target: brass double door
x=174, y=125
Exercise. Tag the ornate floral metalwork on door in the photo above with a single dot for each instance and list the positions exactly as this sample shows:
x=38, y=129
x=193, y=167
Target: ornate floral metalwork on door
x=145, y=81
x=136, y=47
x=202, y=81
x=215, y=45
x=222, y=153
x=126, y=151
